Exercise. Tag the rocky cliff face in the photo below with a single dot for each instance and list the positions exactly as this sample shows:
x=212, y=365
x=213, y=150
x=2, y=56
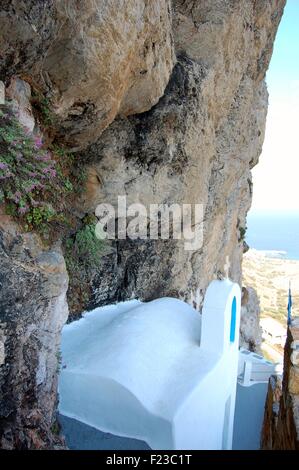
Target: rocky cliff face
x=33, y=284
x=163, y=102
x=250, y=330
x=281, y=421
x=94, y=59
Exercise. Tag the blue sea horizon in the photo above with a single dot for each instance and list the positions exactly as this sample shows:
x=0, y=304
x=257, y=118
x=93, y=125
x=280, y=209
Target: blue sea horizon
x=274, y=232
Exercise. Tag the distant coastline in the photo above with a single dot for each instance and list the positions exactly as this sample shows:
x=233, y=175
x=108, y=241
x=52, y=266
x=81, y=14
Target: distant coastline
x=275, y=234
x=272, y=253
x=270, y=276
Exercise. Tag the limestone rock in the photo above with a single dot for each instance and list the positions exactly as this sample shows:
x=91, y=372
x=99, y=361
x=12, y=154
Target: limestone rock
x=2, y=93
x=19, y=94
x=281, y=422
x=33, y=284
x=178, y=153
x=2, y=347
x=98, y=58
x=250, y=330
x=295, y=358
x=231, y=38
x=294, y=380
x=27, y=30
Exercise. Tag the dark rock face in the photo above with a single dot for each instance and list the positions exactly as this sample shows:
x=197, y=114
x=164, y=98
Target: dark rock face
x=27, y=30
x=134, y=267
x=33, y=309
x=281, y=420
x=153, y=152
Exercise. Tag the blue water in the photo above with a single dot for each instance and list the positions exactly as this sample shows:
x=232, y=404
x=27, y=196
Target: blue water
x=274, y=231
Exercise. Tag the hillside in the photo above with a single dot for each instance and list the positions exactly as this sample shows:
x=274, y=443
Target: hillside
x=270, y=277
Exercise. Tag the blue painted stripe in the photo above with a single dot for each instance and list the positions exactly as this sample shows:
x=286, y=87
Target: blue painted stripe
x=233, y=320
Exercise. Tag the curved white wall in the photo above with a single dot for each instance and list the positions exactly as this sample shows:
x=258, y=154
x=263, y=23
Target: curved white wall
x=151, y=372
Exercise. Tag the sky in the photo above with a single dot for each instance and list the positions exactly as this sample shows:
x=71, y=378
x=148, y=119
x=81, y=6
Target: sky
x=276, y=177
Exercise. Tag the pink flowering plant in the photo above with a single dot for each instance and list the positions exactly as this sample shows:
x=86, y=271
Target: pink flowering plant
x=28, y=173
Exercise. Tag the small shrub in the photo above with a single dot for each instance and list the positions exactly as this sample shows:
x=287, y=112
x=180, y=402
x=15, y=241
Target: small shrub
x=26, y=171
x=84, y=249
x=34, y=182
x=55, y=428
x=42, y=105
x=242, y=232
x=83, y=253
x=40, y=217
x=65, y=160
x=59, y=361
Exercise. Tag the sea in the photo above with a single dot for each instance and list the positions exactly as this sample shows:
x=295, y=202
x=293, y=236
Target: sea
x=275, y=233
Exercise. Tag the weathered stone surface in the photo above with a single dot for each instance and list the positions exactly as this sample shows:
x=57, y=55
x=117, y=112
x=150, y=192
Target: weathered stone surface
x=2, y=93
x=27, y=30
x=295, y=357
x=98, y=58
x=19, y=94
x=281, y=422
x=231, y=38
x=181, y=152
x=33, y=284
x=2, y=347
x=294, y=380
x=271, y=413
x=250, y=330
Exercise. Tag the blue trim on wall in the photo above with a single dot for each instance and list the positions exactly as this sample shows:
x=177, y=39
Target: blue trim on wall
x=233, y=320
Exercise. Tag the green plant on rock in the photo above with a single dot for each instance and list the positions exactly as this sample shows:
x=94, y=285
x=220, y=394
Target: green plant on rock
x=70, y=169
x=27, y=172
x=65, y=161
x=84, y=249
x=35, y=183
x=40, y=216
x=42, y=104
x=59, y=361
x=55, y=428
x=83, y=254
x=242, y=232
